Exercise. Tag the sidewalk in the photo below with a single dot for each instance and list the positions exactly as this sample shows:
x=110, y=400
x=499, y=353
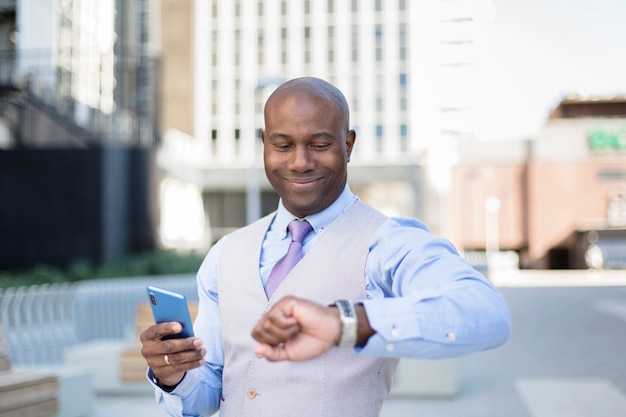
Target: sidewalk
x=566, y=357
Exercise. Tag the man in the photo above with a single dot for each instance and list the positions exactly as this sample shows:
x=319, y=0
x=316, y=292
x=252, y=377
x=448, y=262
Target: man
x=398, y=291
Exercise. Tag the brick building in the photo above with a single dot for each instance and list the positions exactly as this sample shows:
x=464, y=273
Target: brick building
x=557, y=194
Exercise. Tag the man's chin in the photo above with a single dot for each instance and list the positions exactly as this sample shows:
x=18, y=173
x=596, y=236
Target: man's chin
x=301, y=205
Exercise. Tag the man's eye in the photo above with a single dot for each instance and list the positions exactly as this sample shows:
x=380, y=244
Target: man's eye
x=320, y=147
x=279, y=147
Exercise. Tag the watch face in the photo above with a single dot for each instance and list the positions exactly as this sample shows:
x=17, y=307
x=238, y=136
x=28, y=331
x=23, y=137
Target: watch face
x=346, y=308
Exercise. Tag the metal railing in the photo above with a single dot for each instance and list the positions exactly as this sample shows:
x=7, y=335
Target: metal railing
x=35, y=77
x=40, y=321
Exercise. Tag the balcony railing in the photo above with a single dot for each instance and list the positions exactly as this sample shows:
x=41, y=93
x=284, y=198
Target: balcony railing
x=125, y=114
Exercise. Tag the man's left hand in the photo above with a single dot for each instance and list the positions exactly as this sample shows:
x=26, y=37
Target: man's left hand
x=297, y=329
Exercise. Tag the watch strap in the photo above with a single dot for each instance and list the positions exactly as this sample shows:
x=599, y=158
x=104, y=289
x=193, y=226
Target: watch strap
x=349, y=328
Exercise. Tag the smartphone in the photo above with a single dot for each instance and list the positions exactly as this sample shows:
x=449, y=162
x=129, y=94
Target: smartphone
x=170, y=306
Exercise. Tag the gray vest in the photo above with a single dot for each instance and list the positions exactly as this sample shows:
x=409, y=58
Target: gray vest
x=339, y=383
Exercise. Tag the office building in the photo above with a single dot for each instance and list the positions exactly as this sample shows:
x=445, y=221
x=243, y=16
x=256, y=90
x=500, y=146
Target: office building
x=408, y=69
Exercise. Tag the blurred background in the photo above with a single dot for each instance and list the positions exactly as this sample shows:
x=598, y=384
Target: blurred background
x=133, y=126
x=129, y=129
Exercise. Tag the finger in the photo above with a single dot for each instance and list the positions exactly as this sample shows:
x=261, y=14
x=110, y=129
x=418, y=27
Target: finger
x=266, y=332
x=160, y=330
x=179, y=345
x=154, y=351
x=171, y=365
x=171, y=374
x=271, y=353
x=188, y=356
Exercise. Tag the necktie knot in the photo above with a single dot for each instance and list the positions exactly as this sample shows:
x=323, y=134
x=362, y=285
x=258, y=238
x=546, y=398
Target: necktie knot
x=299, y=229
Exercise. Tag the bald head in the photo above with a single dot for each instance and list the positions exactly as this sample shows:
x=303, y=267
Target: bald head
x=312, y=87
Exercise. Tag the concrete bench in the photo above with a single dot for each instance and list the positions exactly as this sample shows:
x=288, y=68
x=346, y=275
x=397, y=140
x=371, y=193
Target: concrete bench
x=25, y=393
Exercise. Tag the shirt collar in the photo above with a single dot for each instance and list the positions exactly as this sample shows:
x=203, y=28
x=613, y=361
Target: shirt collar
x=319, y=221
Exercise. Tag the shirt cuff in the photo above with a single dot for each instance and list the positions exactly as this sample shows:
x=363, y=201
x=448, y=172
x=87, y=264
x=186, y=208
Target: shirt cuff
x=184, y=387
x=393, y=319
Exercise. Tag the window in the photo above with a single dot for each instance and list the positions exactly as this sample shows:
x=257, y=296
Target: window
x=379, y=42
x=403, y=137
x=379, y=137
x=402, y=53
x=331, y=41
x=402, y=29
x=355, y=43
x=403, y=102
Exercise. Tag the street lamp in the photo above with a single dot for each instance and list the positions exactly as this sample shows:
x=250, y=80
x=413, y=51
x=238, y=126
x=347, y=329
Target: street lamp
x=492, y=232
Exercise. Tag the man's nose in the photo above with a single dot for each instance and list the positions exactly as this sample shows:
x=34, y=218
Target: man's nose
x=301, y=159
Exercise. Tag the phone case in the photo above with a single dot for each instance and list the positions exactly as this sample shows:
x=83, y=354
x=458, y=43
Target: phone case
x=170, y=306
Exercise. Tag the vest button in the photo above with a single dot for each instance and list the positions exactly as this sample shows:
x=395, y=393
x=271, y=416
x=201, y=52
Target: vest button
x=251, y=393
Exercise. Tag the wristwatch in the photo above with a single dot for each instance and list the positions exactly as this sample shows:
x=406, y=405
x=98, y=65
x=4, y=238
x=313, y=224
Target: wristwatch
x=155, y=381
x=349, y=329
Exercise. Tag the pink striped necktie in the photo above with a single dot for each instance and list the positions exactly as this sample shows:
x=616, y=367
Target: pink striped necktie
x=299, y=229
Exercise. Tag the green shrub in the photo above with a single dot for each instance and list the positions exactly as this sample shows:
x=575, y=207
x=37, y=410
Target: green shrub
x=152, y=263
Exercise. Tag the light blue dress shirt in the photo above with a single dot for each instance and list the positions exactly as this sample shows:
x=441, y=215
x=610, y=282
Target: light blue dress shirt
x=423, y=300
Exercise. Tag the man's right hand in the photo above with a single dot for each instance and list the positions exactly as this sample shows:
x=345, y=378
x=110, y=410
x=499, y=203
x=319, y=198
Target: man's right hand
x=170, y=359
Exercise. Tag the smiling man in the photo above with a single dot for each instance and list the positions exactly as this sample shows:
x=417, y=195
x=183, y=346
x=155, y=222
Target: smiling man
x=307, y=311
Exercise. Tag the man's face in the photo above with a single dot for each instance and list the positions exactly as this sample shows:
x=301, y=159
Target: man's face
x=306, y=150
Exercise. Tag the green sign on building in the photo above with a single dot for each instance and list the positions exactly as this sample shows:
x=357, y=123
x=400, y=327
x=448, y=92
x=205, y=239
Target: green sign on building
x=604, y=140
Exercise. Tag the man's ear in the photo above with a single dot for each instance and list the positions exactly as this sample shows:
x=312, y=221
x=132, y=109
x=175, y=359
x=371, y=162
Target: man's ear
x=350, y=139
x=263, y=137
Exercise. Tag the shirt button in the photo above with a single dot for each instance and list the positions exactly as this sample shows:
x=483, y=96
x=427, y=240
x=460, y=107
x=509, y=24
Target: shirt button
x=451, y=337
x=395, y=331
x=251, y=393
x=390, y=347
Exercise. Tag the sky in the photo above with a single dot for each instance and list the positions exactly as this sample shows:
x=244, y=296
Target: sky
x=545, y=49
